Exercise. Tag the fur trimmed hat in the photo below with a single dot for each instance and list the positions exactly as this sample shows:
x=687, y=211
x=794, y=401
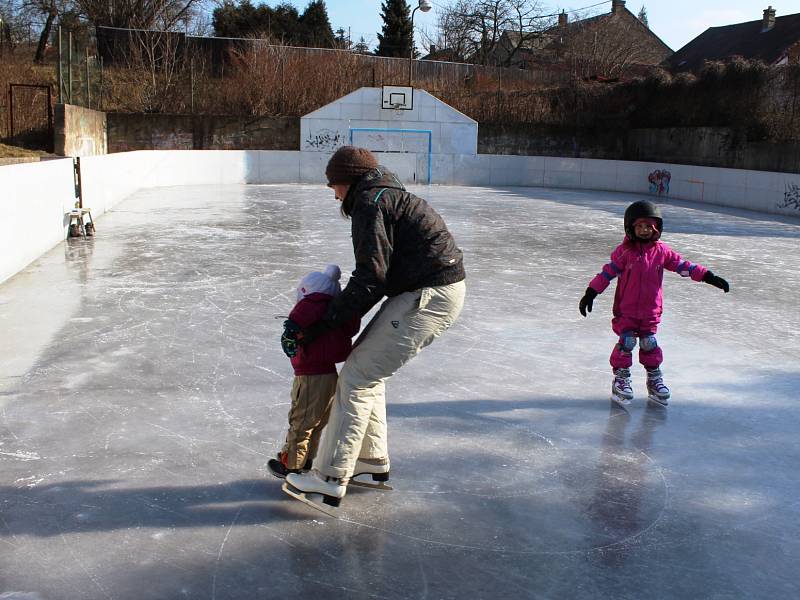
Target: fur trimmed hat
x=326, y=282
x=348, y=164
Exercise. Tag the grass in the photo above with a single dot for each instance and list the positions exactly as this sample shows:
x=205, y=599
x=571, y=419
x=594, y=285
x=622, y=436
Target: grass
x=17, y=152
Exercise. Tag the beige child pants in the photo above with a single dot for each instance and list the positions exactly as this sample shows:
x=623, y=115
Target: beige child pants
x=403, y=326
x=311, y=400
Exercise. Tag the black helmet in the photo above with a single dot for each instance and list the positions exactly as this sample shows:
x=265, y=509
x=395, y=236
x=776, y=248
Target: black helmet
x=642, y=209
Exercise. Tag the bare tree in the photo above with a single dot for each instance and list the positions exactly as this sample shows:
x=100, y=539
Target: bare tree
x=490, y=31
x=609, y=47
x=139, y=14
x=153, y=74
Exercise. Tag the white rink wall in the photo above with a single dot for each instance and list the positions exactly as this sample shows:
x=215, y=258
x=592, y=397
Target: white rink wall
x=36, y=196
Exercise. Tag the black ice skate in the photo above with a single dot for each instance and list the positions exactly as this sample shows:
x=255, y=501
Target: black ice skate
x=621, y=390
x=317, y=491
x=280, y=470
x=657, y=391
x=378, y=469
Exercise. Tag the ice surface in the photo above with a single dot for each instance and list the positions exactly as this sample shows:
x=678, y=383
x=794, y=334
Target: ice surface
x=142, y=390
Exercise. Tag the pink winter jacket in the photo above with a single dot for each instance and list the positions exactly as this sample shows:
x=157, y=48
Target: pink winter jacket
x=640, y=267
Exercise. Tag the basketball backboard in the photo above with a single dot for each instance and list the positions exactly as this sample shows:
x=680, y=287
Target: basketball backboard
x=397, y=97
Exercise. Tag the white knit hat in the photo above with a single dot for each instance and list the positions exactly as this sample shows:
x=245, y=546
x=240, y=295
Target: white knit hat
x=321, y=283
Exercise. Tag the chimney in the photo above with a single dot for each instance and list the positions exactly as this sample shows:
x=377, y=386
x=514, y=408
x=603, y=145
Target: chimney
x=617, y=6
x=432, y=50
x=563, y=19
x=769, y=19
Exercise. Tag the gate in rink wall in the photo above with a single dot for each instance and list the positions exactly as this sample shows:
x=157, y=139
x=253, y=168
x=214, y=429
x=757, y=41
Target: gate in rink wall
x=415, y=144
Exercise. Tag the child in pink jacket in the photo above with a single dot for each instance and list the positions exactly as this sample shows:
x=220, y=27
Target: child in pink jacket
x=315, y=374
x=639, y=262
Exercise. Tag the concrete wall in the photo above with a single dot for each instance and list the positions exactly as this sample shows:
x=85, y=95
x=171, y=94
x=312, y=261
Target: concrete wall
x=39, y=194
x=127, y=132
x=79, y=131
x=452, y=133
x=707, y=146
x=713, y=147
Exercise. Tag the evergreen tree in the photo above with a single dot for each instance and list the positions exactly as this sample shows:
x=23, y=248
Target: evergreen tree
x=315, y=26
x=285, y=24
x=643, y=17
x=397, y=38
x=361, y=47
x=281, y=23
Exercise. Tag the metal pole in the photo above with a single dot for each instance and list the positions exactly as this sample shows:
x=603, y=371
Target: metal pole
x=69, y=69
x=60, y=71
x=10, y=111
x=411, y=51
x=88, y=88
x=191, y=83
x=100, y=100
x=50, y=132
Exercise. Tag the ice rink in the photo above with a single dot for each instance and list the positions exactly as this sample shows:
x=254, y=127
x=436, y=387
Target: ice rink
x=143, y=388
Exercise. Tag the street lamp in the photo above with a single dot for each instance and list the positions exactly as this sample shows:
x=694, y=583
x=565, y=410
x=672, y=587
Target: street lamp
x=424, y=6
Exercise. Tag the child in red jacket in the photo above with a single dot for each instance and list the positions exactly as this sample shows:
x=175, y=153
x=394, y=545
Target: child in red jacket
x=315, y=374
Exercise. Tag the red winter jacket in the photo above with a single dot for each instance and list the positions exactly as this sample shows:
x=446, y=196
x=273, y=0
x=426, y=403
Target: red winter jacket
x=333, y=346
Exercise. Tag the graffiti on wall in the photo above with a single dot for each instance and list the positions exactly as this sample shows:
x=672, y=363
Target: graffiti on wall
x=659, y=181
x=324, y=139
x=791, y=197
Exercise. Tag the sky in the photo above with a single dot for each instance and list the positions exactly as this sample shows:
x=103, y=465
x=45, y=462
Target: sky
x=676, y=22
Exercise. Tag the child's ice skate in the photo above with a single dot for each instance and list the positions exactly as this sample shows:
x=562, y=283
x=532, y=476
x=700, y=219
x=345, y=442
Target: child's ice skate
x=277, y=466
x=621, y=390
x=308, y=487
x=377, y=468
x=657, y=391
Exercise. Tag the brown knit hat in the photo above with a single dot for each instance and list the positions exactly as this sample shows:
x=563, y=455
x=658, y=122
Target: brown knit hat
x=348, y=164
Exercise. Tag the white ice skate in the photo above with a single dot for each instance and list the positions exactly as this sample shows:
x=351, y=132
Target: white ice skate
x=621, y=390
x=312, y=488
x=657, y=391
x=379, y=470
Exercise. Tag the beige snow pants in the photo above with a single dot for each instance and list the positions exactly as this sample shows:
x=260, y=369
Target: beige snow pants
x=311, y=400
x=403, y=326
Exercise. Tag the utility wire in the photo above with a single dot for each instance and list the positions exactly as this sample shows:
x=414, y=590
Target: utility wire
x=569, y=12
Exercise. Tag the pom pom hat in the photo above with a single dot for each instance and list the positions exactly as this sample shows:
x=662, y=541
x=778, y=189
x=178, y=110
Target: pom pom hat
x=326, y=282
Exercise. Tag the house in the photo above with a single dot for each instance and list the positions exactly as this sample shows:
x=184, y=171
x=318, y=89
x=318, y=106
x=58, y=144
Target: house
x=614, y=44
x=776, y=41
x=442, y=54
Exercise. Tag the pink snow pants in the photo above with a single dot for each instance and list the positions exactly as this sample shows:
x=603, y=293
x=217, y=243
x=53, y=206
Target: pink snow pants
x=622, y=359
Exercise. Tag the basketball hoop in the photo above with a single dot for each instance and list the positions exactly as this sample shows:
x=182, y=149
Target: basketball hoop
x=397, y=98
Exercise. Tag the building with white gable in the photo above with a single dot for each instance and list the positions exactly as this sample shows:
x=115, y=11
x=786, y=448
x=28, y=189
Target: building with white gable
x=419, y=137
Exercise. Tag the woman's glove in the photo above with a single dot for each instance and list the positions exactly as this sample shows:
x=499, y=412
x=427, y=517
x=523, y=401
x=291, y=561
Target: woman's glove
x=587, y=300
x=289, y=341
x=717, y=282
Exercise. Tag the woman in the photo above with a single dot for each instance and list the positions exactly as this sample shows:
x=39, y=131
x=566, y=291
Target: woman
x=404, y=251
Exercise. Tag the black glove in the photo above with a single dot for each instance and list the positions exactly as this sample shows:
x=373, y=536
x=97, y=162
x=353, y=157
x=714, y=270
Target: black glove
x=312, y=332
x=717, y=282
x=587, y=300
x=291, y=331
